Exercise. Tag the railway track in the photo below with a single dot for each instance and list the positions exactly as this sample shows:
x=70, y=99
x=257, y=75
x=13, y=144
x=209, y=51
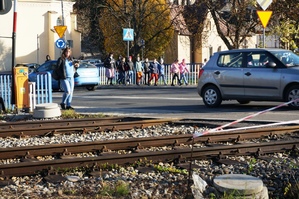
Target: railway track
x=106, y=150
x=50, y=127
x=135, y=144
x=178, y=155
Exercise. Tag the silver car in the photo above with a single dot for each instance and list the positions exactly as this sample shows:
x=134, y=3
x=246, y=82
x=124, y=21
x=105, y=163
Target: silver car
x=250, y=75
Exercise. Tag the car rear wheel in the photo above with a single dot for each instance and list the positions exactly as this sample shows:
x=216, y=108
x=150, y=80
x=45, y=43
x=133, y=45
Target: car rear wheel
x=293, y=94
x=243, y=101
x=91, y=88
x=211, y=96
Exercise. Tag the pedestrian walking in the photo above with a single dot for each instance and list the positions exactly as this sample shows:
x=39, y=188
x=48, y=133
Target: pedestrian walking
x=121, y=71
x=110, y=68
x=139, y=71
x=130, y=67
x=183, y=71
x=161, y=69
x=66, y=70
x=146, y=65
x=175, y=70
x=154, y=72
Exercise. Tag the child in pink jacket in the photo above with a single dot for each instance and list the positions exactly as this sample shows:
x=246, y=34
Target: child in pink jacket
x=183, y=70
x=175, y=70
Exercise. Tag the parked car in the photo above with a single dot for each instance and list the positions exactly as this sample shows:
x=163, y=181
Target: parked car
x=31, y=66
x=88, y=75
x=92, y=61
x=250, y=75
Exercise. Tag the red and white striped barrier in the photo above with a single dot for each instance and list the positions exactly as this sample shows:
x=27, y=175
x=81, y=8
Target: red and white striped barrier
x=220, y=128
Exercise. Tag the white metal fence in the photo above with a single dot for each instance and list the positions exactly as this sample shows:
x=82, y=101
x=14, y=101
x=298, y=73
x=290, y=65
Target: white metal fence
x=191, y=76
x=39, y=92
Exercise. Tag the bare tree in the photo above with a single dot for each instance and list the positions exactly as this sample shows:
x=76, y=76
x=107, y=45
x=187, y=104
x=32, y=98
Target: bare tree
x=235, y=20
x=89, y=13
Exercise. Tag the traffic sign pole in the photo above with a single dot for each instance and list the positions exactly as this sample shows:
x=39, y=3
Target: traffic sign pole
x=264, y=16
x=13, y=51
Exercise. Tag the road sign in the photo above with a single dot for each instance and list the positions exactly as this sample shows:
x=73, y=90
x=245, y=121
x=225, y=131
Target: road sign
x=128, y=34
x=264, y=17
x=5, y=6
x=264, y=3
x=60, y=30
x=60, y=43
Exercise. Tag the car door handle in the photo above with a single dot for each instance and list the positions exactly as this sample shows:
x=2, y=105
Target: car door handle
x=248, y=74
x=217, y=72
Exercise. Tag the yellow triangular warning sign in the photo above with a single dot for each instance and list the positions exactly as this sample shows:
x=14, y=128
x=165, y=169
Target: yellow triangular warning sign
x=60, y=30
x=264, y=17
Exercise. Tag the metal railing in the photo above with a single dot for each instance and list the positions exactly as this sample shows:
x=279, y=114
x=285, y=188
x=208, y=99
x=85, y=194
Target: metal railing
x=39, y=92
x=5, y=90
x=191, y=76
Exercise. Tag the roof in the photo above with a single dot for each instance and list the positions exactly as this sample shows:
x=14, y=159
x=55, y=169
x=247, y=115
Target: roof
x=178, y=19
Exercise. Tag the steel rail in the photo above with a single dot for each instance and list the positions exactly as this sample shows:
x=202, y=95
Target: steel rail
x=177, y=155
x=58, y=122
x=76, y=125
x=138, y=143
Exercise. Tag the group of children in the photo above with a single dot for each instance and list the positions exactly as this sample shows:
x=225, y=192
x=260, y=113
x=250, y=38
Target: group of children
x=148, y=71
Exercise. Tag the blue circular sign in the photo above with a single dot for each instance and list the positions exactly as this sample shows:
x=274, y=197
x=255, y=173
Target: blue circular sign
x=60, y=43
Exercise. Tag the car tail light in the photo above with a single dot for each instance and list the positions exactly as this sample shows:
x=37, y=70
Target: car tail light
x=200, y=72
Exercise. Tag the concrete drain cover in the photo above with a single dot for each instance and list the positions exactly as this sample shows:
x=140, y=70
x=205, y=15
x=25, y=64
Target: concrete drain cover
x=46, y=110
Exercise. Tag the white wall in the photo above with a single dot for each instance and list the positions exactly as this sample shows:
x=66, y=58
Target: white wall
x=184, y=48
x=34, y=38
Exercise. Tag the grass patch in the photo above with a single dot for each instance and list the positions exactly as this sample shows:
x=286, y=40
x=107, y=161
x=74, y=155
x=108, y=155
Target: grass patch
x=71, y=114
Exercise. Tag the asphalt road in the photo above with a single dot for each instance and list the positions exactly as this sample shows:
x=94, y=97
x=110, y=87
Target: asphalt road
x=169, y=102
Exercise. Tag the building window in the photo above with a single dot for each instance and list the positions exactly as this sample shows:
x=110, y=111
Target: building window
x=70, y=43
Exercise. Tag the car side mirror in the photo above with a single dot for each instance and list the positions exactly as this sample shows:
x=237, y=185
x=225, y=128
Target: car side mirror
x=272, y=64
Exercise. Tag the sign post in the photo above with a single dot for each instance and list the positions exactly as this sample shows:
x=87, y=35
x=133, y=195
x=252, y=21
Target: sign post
x=264, y=16
x=142, y=47
x=128, y=35
x=60, y=30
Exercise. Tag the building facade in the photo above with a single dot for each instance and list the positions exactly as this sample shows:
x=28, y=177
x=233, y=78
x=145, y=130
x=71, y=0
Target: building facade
x=35, y=33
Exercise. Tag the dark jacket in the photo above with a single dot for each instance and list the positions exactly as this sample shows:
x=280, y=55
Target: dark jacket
x=109, y=63
x=130, y=65
x=61, y=68
x=154, y=67
x=146, y=67
x=121, y=66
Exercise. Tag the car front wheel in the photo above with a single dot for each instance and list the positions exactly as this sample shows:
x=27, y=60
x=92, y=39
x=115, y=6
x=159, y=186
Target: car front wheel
x=211, y=96
x=91, y=88
x=243, y=101
x=293, y=94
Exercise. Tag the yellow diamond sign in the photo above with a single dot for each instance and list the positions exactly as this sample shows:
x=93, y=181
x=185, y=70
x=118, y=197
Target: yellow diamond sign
x=60, y=30
x=264, y=17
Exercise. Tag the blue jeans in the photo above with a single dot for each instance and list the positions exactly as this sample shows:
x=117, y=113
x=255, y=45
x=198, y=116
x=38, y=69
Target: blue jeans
x=121, y=77
x=68, y=89
x=163, y=78
x=130, y=76
x=183, y=76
